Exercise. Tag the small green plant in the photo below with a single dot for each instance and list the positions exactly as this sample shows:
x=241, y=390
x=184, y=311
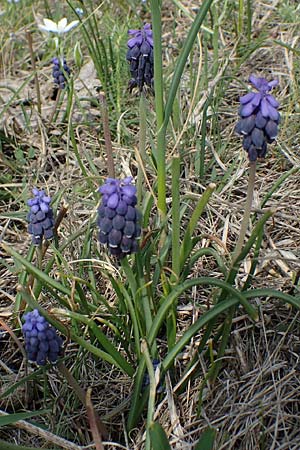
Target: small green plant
x=149, y=234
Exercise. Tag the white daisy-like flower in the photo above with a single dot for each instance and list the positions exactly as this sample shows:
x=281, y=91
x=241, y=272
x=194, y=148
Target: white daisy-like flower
x=60, y=27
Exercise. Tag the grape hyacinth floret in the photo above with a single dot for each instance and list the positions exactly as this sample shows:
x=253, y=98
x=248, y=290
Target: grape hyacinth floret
x=40, y=217
x=118, y=217
x=140, y=57
x=60, y=72
x=259, y=118
x=42, y=342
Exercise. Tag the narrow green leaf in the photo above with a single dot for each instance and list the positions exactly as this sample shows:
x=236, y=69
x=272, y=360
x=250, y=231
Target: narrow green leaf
x=158, y=437
x=248, y=245
x=182, y=59
x=8, y=446
x=39, y=274
x=186, y=245
x=178, y=290
x=207, y=439
x=197, y=255
x=152, y=393
x=176, y=216
x=235, y=298
x=125, y=297
x=278, y=183
x=294, y=50
x=115, y=356
x=137, y=400
x=286, y=298
x=19, y=383
x=160, y=152
x=211, y=314
x=12, y=418
x=120, y=362
x=22, y=279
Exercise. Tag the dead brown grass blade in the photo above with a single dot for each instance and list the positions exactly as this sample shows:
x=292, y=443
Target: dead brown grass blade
x=93, y=421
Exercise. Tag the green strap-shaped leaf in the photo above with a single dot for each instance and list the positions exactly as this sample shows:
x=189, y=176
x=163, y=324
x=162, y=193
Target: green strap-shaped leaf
x=8, y=446
x=206, y=441
x=39, y=274
x=187, y=245
x=111, y=355
x=178, y=290
x=159, y=440
x=182, y=59
x=12, y=418
x=211, y=314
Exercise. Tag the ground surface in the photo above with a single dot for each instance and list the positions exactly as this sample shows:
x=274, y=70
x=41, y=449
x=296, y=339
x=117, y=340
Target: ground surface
x=254, y=404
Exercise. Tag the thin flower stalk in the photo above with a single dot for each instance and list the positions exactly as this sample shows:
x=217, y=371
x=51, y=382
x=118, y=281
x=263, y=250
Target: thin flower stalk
x=160, y=153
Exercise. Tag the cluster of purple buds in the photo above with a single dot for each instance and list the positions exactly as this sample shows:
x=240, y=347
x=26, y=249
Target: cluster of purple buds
x=40, y=217
x=259, y=118
x=60, y=72
x=140, y=57
x=118, y=217
x=42, y=342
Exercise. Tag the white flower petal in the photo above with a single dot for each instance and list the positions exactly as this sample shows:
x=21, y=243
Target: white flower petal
x=62, y=25
x=71, y=25
x=49, y=25
x=42, y=27
x=45, y=28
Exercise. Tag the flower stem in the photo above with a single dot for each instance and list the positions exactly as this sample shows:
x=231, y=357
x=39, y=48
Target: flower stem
x=160, y=154
x=247, y=211
x=55, y=107
x=81, y=394
x=36, y=80
x=107, y=136
x=142, y=146
x=152, y=391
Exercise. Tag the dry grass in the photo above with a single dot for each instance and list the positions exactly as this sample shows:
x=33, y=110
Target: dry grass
x=254, y=404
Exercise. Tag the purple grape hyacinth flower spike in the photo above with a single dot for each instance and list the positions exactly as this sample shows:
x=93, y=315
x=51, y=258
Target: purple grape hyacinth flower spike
x=40, y=217
x=42, y=342
x=118, y=217
x=140, y=58
x=259, y=118
x=60, y=72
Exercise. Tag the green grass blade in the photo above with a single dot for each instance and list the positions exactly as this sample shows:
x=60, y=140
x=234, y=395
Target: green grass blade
x=186, y=245
x=39, y=274
x=102, y=339
x=152, y=392
x=247, y=247
x=160, y=153
x=198, y=254
x=178, y=290
x=207, y=439
x=119, y=362
x=23, y=278
x=158, y=437
x=176, y=217
x=182, y=59
x=133, y=313
x=12, y=418
x=8, y=446
x=286, y=298
x=11, y=389
x=136, y=404
x=212, y=314
x=278, y=183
